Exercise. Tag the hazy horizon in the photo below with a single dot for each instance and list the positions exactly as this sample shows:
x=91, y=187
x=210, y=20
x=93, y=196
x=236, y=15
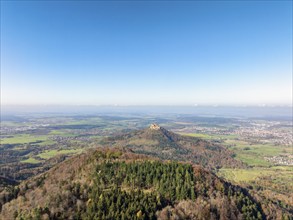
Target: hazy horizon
x=269, y=112
x=138, y=53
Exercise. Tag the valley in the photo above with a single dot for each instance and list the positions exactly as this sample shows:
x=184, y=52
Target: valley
x=259, y=149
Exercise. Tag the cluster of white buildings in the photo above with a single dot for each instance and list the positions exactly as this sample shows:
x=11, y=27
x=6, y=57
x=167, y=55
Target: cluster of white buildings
x=281, y=160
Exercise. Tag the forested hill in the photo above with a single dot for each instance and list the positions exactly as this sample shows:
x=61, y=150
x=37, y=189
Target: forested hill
x=115, y=184
x=159, y=142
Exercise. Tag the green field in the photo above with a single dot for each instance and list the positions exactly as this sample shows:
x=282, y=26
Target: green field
x=252, y=159
x=253, y=154
x=51, y=153
x=62, y=133
x=42, y=140
x=244, y=175
x=208, y=136
x=24, y=139
x=30, y=160
x=277, y=178
x=203, y=136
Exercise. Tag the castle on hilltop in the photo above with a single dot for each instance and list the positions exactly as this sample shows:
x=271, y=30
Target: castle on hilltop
x=154, y=127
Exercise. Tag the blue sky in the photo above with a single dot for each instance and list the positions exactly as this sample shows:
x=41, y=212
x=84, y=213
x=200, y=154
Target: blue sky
x=146, y=52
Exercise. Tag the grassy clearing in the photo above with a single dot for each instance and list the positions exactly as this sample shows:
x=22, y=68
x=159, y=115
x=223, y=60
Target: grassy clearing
x=268, y=150
x=43, y=140
x=203, y=136
x=276, y=182
x=243, y=175
x=261, y=149
x=207, y=136
x=62, y=133
x=253, y=154
x=91, y=121
x=52, y=153
x=248, y=175
x=282, y=168
x=30, y=160
x=47, y=142
x=236, y=142
x=252, y=159
x=23, y=139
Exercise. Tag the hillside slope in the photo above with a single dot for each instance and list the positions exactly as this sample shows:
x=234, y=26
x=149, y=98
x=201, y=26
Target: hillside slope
x=159, y=142
x=115, y=184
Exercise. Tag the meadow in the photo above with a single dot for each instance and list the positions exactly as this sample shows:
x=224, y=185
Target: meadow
x=24, y=139
x=252, y=174
x=52, y=153
x=272, y=180
x=246, y=150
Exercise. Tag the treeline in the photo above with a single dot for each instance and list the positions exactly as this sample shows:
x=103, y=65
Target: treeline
x=137, y=190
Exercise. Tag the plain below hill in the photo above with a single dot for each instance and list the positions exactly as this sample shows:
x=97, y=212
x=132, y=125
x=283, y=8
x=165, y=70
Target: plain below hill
x=158, y=142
